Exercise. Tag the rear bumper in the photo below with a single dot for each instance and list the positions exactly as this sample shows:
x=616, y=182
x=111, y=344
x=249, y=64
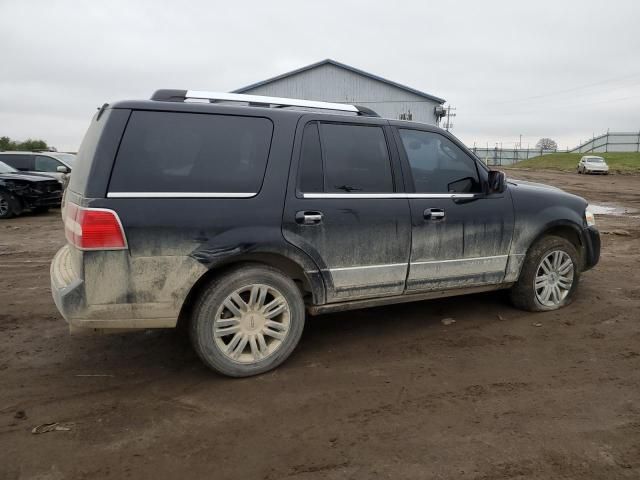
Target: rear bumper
x=591, y=242
x=69, y=295
x=67, y=288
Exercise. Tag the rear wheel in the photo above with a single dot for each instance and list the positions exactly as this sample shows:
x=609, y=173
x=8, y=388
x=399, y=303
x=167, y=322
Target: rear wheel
x=549, y=276
x=247, y=321
x=40, y=209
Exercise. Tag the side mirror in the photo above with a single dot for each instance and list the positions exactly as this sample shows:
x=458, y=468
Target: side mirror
x=497, y=181
x=62, y=169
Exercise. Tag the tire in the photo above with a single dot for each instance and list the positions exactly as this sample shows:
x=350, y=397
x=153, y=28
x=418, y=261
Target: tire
x=579, y=171
x=524, y=294
x=40, y=209
x=7, y=205
x=256, y=285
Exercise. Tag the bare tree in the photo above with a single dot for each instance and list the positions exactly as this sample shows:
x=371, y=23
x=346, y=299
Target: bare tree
x=547, y=144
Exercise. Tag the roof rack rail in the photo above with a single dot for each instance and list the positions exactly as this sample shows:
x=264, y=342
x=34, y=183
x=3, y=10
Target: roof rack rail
x=257, y=100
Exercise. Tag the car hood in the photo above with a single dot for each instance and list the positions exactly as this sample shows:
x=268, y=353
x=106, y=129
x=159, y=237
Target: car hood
x=545, y=195
x=515, y=181
x=31, y=177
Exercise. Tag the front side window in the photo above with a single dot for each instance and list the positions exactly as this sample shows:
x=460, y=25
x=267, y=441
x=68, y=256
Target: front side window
x=438, y=165
x=46, y=164
x=356, y=159
x=68, y=158
x=189, y=152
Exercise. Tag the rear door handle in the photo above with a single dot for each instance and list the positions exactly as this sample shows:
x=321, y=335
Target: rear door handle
x=308, y=217
x=434, y=214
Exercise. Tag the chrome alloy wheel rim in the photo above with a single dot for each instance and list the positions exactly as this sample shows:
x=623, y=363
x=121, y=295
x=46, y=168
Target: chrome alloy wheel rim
x=252, y=323
x=4, y=205
x=554, y=278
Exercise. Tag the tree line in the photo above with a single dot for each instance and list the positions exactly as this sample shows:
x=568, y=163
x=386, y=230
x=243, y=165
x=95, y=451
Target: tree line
x=7, y=144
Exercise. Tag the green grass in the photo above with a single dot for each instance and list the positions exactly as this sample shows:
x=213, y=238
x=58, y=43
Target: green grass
x=619, y=162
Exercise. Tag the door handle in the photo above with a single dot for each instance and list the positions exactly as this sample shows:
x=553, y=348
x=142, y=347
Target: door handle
x=308, y=217
x=434, y=214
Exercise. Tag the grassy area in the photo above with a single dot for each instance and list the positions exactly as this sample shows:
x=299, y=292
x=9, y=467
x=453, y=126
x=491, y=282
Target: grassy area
x=619, y=162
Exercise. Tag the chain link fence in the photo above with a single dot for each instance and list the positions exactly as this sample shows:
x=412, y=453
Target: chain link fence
x=609, y=142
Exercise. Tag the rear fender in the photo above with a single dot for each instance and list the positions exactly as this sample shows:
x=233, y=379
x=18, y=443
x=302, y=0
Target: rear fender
x=262, y=245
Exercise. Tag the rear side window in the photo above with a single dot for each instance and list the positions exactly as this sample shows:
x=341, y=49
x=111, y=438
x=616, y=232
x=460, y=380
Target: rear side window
x=19, y=162
x=356, y=159
x=187, y=152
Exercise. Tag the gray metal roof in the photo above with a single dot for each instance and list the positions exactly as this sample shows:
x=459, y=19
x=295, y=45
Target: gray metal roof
x=328, y=61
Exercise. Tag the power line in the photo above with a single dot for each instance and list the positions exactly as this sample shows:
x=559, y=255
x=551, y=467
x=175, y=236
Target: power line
x=569, y=90
x=570, y=106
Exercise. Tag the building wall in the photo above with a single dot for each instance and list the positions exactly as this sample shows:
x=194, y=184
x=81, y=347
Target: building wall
x=329, y=83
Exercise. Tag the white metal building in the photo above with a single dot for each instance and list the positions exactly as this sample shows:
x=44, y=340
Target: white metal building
x=332, y=81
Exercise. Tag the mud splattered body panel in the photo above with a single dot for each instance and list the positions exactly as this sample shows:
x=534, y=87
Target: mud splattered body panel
x=361, y=245
x=469, y=246
x=540, y=209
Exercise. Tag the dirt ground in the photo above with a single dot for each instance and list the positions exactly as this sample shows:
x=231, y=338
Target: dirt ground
x=382, y=393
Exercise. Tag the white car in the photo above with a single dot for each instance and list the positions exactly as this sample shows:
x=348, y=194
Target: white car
x=592, y=164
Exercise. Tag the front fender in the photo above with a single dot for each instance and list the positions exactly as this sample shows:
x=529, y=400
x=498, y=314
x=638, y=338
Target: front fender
x=539, y=210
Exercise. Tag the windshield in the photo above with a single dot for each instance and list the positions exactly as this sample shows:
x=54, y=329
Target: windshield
x=4, y=168
x=595, y=160
x=68, y=158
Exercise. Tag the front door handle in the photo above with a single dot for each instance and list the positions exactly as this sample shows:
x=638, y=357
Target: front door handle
x=308, y=217
x=434, y=214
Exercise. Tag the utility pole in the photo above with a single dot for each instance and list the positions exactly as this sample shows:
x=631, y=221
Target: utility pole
x=448, y=124
x=520, y=143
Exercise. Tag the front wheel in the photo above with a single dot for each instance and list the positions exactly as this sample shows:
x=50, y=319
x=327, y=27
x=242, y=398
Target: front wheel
x=247, y=321
x=549, y=276
x=6, y=205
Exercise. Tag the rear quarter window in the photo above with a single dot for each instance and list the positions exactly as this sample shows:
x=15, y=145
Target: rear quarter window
x=86, y=152
x=192, y=153
x=19, y=162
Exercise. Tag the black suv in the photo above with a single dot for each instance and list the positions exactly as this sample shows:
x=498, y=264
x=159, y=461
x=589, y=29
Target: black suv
x=239, y=217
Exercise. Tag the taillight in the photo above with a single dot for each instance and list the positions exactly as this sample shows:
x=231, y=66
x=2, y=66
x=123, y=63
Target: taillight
x=93, y=228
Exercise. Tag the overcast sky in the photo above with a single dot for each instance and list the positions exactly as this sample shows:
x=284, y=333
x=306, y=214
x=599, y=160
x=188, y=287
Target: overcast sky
x=563, y=69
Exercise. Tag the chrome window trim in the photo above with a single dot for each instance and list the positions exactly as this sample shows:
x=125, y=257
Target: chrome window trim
x=389, y=195
x=180, y=195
